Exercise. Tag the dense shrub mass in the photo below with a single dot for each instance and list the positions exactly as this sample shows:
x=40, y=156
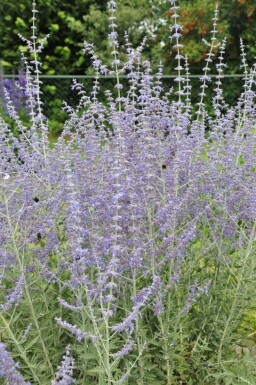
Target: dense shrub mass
x=127, y=250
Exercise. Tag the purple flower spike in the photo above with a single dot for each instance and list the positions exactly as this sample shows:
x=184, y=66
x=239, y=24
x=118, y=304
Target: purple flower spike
x=64, y=374
x=8, y=368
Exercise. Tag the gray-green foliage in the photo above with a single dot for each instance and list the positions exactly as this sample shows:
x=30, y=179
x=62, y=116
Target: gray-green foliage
x=200, y=346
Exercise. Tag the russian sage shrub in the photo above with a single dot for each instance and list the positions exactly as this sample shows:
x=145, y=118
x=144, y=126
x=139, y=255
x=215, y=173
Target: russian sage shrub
x=128, y=249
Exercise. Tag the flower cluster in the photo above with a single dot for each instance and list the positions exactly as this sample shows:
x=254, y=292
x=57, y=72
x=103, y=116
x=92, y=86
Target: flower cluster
x=15, y=90
x=65, y=370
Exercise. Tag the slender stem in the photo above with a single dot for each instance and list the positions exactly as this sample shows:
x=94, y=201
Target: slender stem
x=37, y=81
x=137, y=328
x=16, y=251
x=19, y=348
x=32, y=310
x=239, y=282
x=166, y=351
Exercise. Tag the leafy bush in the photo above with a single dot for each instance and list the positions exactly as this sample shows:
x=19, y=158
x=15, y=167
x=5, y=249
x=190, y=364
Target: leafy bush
x=128, y=249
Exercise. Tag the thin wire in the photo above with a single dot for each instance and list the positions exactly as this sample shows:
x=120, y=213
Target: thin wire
x=113, y=77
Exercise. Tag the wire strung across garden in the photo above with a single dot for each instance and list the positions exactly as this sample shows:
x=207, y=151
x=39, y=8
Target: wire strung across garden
x=58, y=88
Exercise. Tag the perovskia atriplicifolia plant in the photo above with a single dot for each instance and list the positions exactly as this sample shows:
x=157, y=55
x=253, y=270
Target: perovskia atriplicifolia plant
x=127, y=250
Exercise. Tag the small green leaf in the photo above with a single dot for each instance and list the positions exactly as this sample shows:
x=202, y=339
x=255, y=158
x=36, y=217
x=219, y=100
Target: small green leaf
x=20, y=23
x=54, y=27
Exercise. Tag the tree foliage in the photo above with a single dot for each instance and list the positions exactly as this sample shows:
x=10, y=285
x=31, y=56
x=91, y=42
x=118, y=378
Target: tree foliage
x=69, y=24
